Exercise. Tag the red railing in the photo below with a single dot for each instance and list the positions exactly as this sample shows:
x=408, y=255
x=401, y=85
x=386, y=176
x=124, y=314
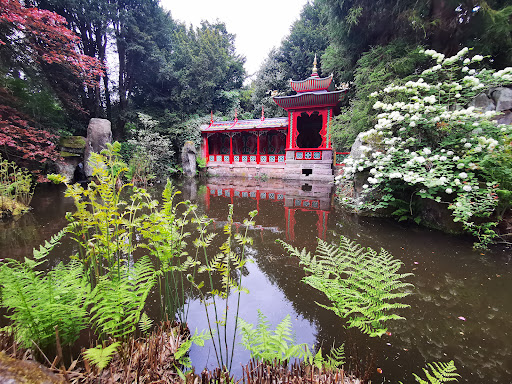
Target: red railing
x=340, y=158
x=260, y=159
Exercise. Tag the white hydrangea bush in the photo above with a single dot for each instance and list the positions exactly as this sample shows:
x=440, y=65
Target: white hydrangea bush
x=428, y=142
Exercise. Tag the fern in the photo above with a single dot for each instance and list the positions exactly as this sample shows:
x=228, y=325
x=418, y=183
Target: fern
x=117, y=302
x=48, y=246
x=336, y=358
x=362, y=285
x=145, y=323
x=439, y=373
x=39, y=303
x=267, y=345
x=196, y=338
x=100, y=356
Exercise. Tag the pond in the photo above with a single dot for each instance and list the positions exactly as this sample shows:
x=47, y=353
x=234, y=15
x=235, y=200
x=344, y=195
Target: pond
x=460, y=307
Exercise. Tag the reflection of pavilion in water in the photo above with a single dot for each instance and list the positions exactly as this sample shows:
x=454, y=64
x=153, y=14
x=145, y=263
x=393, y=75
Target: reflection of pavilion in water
x=307, y=204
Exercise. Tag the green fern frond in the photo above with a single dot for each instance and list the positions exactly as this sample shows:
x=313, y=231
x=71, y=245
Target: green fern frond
x=267, y=345
x=439, y=373
x=362, y=285
x=336, y=357
x=38, y=303
x=99, y=356
x=117, y=301
x=43, y=251
x=145, y=323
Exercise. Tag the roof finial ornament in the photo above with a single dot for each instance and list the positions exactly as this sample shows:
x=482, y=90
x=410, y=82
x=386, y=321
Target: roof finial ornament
x=315, y=69
x=262, y=113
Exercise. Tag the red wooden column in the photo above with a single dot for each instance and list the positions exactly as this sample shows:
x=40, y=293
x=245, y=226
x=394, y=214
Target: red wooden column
x=231, y=148
x=289, y=141
x=258, y=150
x=205, y=146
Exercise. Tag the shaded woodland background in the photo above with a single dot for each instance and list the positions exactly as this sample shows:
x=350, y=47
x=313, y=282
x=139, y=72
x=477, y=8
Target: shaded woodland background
x=130, y=61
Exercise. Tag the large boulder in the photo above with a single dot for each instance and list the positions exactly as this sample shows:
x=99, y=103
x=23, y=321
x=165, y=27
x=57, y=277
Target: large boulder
x=99, y=133
x=502, y=97
x=72, y=150
x=188, y=159
x=483, y=102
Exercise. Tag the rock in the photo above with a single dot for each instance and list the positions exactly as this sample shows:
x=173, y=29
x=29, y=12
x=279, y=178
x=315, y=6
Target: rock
x=506, y=118
x=67, y=166
x=502, y=97
x=355, y=151
x=188, y=159
x=79, y=175
x=99, y=133
x=483, y=102
x=438, y=216
x=72, y=150
x=14, y=371
x=72, y=145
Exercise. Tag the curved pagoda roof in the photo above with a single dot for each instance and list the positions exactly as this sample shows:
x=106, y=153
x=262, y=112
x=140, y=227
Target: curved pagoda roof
x=310, y=99
x=313, y=83
x=242, y=125
x=312, y=92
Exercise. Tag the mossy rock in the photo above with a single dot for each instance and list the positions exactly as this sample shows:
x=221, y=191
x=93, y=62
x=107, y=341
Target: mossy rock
x=76, y=142
x=26, y=372
x=69, y=154
x=9, y=208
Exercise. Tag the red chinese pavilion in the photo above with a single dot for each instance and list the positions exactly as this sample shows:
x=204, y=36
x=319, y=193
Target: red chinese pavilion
x=296, y=147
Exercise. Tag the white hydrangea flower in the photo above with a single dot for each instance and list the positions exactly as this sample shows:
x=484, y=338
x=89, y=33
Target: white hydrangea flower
x=463, y=175
x=467, y=188
x=448, y=190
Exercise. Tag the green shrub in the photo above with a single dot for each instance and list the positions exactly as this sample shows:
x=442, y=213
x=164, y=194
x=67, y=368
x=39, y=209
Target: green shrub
x=429, y=143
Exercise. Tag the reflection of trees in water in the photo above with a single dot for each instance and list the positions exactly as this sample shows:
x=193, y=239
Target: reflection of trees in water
x=18, y=237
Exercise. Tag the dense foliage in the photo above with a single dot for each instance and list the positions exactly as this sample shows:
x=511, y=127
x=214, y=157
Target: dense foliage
x=429, y=143
x=34, y=44
x=65, y=62
x=370, y=44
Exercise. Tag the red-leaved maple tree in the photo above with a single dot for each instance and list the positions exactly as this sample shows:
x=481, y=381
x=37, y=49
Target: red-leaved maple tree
x=43, y=38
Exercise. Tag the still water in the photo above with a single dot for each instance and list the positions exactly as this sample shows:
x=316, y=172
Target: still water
x=461, y=307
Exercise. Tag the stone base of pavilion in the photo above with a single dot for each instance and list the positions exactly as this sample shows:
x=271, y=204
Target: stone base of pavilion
x=305, y=169
x=249, y=170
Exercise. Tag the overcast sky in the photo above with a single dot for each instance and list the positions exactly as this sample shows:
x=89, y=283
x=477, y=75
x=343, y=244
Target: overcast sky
x=258, y=25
